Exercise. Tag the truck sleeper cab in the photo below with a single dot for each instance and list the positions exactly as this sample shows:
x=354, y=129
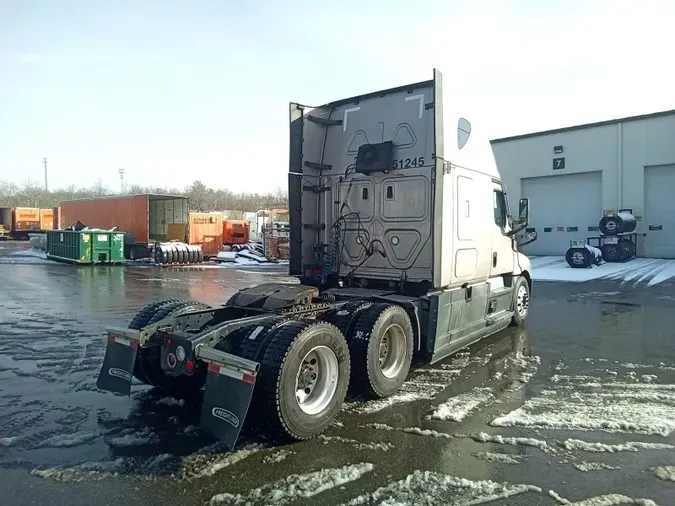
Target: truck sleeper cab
x=398, y=252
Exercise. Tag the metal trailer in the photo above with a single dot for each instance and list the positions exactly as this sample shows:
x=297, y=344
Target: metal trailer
x=398, y=253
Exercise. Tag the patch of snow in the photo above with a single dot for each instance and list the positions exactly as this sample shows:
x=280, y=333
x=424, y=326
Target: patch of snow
x=484, y=437
x=426, y=432
x=170, y=401
x=502, y=458
x=457, y=408
x=630, y=446
x=427, y=487
x=382, y=447
x=411, y=430
x=295, y=486
x=558, y=497
x=337, y=439
x=649, y=378
x=666, y=273
x=612, y=500
x=335, y=423
x=643, y=408
x=7, y=441
x=92, y=471
x=68, y=440
x=665, y=473
x=277, y=457
x=200, y=465
x=142, y=437
x=593, y=466
x=556, y=269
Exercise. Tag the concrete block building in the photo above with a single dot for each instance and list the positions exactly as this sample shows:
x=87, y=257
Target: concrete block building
x=572, y=175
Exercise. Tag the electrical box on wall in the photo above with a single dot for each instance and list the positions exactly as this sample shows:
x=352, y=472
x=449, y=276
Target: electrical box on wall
x=557, y=150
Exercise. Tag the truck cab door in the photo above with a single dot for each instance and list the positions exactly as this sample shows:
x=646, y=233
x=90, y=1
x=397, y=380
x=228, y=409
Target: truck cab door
x=502, y=244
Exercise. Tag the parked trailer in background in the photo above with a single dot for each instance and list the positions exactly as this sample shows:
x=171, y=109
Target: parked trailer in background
x=24, y=221
x=144, y=218
x=47, y=221
x=5, y=222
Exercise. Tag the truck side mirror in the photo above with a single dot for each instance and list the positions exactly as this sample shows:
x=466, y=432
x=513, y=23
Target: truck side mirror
x=524, y=211
x=463, y=132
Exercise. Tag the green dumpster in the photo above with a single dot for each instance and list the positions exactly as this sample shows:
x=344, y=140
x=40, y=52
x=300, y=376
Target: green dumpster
x=107, y=247
x=69, y=246
x=85, y=246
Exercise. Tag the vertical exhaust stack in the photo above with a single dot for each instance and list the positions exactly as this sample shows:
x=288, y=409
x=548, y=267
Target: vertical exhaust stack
x=365, y=187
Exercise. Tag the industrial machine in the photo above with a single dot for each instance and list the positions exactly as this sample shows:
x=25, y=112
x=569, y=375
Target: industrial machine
x=398, y=253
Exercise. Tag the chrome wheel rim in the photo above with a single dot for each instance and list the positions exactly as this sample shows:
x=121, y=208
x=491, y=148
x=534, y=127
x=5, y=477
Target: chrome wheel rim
x=316, y=380
x=392, y=351
x=522, y=300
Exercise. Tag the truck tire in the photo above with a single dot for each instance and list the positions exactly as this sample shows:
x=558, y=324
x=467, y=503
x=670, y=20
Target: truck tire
x=344, y=317
x=141, y=320
x=148, y=359
x=303, y=379
x=255, y=338
x=381, y=347
x=521, y=302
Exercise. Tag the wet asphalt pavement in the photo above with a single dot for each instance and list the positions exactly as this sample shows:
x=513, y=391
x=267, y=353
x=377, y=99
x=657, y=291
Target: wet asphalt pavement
x=515, y=420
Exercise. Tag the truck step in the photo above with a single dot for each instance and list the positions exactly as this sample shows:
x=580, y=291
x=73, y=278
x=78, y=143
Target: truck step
x=493, y=319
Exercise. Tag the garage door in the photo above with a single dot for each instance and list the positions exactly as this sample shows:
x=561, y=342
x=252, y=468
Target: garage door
x=563, y=209
x=659, y=216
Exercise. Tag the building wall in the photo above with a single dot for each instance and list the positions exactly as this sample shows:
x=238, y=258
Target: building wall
x=620, y=150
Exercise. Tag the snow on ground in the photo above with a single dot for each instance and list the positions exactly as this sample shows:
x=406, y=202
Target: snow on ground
x=457, y=408
x=91, y=471
x=594, y=466
x=603, y=500
x=484, y=437
x=277, y=457
x=7, y=441
x=665, y=473
x=200, y=465
x=502, y=458
x=587, y=403
x=426, y=487
x=295, y=486
x=652, y=270
x=629, y=446
x=68, y=440
x=138, y=438
x=422, y=384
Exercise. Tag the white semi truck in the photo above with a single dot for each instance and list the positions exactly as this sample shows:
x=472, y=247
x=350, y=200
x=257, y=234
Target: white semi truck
x=398, y=253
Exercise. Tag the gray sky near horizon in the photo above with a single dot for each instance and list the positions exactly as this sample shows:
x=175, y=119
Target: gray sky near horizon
x=175, y=91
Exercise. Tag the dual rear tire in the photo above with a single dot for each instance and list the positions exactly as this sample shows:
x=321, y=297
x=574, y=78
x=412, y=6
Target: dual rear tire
x=306, y=366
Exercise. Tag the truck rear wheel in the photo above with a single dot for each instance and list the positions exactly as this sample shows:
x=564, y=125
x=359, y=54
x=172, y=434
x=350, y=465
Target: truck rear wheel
x=521, y=302
x=148, y=360
x=344, y=317
x=381, y=347
x=141, y=320
x=303, y=380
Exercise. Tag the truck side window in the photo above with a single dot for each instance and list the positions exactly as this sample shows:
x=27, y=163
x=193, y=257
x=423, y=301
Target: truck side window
x=499, y=208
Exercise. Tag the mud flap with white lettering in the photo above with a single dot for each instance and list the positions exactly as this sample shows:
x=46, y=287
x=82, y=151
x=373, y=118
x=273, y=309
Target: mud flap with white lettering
x=118, y=366
x=227, y=396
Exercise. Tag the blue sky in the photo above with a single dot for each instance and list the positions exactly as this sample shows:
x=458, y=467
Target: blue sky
x=177, y=91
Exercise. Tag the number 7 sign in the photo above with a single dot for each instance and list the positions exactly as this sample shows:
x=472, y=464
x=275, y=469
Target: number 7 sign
x=558, y=163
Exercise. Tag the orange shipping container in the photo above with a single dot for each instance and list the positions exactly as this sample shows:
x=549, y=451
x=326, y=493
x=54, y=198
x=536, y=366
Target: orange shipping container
x=47, y=219
x=236, y=231
x=206, y=230
x=146, y=217
x=26, y=219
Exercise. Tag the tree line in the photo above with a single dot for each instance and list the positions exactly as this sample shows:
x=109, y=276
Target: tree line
x=202, y=198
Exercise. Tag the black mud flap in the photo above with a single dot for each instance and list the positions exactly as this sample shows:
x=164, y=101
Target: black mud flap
x=227, y=397
x=118, y=366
